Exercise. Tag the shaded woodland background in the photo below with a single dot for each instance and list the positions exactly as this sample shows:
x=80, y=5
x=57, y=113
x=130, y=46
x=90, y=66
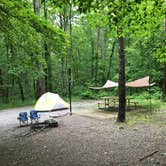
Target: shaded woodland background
x=41, y=40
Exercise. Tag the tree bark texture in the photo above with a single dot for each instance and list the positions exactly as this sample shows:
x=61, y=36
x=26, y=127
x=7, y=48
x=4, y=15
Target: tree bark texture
x=92, y=53
x=48, y=71
x=110, y=60
x=36, y=7
x=97, y=55
x=164, y=80
x=122, y=91
x=21, y=89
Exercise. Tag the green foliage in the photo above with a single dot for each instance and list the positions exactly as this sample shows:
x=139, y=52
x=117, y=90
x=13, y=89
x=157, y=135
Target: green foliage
x=147, y=94
x=25, y=16
x=155, y=92
x=92, y=38
x=87, y=95
x=161, y=54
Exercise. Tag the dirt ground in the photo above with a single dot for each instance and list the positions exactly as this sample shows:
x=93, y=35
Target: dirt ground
x=88, y=137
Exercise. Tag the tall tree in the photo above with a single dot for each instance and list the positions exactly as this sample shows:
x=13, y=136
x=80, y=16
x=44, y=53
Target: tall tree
x=39, y=82
x=20, y=31
x=123, y=18
x=48, y=71
x=164, y=80
x=122, y=91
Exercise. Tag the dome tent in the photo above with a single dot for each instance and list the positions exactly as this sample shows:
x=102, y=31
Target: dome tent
x=49, y=102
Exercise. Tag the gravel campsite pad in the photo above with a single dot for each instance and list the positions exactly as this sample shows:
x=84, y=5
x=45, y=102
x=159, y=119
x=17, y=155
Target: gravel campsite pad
x=85, y=138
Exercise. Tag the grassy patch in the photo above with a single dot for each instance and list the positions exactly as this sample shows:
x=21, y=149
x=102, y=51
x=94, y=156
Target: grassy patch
x=140, y=117
x=149, y=112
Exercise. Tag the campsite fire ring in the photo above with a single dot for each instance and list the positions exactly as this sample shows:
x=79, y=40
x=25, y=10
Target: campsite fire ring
x=46, y=124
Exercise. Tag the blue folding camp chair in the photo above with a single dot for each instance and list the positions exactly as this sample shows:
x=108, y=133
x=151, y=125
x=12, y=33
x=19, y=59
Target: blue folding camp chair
x=34, y=116
x=23, y=118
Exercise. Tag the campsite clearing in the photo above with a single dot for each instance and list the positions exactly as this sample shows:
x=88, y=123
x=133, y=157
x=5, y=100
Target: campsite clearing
x=85, y=138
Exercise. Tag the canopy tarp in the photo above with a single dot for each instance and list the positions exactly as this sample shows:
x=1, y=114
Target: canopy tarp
x=50, y=101
x=142, y=82
x=108, y=84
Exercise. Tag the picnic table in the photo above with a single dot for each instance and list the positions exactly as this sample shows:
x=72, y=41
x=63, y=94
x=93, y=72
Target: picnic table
x=110, y=100
x=114, y=101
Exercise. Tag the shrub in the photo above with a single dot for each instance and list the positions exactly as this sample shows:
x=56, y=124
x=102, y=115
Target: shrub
x=87, y=95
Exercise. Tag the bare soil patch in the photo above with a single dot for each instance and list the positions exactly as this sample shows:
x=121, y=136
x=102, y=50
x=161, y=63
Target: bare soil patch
x=81, y=140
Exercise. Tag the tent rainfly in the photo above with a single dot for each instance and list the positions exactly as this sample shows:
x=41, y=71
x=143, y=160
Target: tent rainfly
x=49, y=102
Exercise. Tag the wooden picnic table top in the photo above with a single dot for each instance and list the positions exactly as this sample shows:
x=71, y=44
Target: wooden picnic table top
x=109, y=97
x=116, y=97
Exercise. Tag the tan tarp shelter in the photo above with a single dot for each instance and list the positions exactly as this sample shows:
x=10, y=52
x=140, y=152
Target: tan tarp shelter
x=142, y=82
x=108, y=84
x=50, y=101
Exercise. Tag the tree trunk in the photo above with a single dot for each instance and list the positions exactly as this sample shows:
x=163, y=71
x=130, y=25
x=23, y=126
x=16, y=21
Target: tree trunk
x=122, y=93
x=36, y=7
x=46, y=53
x=70, y=34
x=48, y=71
x=21, y=89
x=39, y=81
x=65, y=24
x=164, y=85
x=1, y=79
x=103, y=54
x=164, y=80
x=92, y=53
x=92, y=61
x=110, y=59
x=65, y=19
x=7, y=79
x=97, y=55
x=1, y=86
x=63, y=75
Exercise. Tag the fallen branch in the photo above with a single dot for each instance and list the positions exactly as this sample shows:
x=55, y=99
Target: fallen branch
x=148, y=155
